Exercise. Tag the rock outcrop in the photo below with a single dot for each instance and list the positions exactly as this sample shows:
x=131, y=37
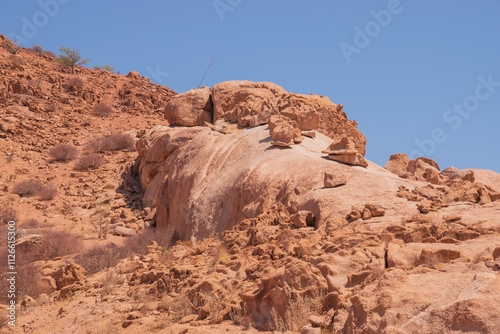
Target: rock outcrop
x=421, y=169
x=284, y=131
x=190, y=108
x=203, y=182
x=253, y=103
x=344, y=150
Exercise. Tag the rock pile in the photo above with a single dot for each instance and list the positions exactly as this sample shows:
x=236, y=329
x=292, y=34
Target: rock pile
x=345, y=151
x=250, y=104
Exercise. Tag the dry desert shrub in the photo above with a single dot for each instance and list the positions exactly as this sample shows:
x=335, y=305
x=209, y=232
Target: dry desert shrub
x=121, y=142
x=63, y=153
x=47, y=193
x=7, y=215
x=109, y=283
x=297, y=313
x=100, y=257
x=58, y=244
x=27, y=188
x=115, y=142
x=38, y=49
x=11, y=46
x=91, y=161
x=75, y=82
x=100, y=221
x=49, y=54
x=102, y=110
x=139, y=242
x=216, y=306
x=96, y=144
x=179, y=306
x=29, y=283
x=31, y=223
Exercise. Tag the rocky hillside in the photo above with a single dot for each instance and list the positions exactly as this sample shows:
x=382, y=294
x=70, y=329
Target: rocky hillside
x=245, y=209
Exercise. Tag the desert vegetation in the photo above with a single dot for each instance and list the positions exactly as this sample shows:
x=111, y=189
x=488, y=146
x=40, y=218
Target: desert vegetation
x=33, y=187
x=57, y=244
x=63, y=153
x=48, y=192
x=102, y=110
x=38, y=49
x=31, y=223
x=11, y=46
x=104, y=68
x=7, y=214
x=27, y=188
x=90, y=161
x=69, y=58
x=114, y=142
x=75, y=83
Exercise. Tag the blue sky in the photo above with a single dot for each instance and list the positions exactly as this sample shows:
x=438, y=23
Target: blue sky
x=420, y=77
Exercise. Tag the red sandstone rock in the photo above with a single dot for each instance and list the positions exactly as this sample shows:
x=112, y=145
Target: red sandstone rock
x=190, y=108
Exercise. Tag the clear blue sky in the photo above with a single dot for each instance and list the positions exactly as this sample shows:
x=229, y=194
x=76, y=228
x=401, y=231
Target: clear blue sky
x=426, y=78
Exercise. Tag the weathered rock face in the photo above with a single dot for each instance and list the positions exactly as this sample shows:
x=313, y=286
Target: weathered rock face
x=398, y=164
x=190, y=108
x=421, y=169
x=331, y=181
x=284, y=131
x=336, y=233
x=68, y=275
x=154, y=148
x=209, y=181
x=486, y=177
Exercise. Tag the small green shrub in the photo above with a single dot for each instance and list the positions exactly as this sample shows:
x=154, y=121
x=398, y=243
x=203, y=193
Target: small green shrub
x=105, y=68
x=38, y=49
x=70, y=58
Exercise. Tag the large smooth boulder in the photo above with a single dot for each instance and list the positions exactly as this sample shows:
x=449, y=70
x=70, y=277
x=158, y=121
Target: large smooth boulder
x=209, y=183
x=190, y=108
x=398, y=164
x=154, y=148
